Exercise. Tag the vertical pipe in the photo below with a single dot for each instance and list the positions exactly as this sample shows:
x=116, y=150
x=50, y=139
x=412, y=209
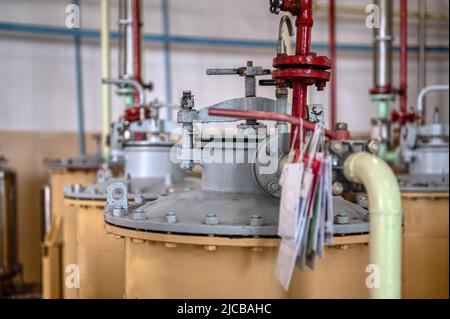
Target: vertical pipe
x=122, y=29
x=385, y=221
x=304, y=23
x=382, y=73
x=332, y=39
x=422, y=44
x=129, y=41
x=167, y=64
x=46, y=218
x=79, y=88
x=403, y=55
x=106, y=91
x=136, y=31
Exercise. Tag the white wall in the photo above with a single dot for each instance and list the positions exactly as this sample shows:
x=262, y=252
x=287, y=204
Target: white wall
x=37, y=86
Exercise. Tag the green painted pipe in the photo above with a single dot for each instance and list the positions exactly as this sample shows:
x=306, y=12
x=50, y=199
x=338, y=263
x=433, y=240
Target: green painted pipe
x=128, y=93
x=388, y=155
x=382, y=103
x=385, y=220
x=383, y=108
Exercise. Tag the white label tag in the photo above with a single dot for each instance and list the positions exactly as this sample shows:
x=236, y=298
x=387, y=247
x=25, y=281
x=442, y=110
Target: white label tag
x=285, y=264
x=306, y=184
x=328, y=236
x=290, y=198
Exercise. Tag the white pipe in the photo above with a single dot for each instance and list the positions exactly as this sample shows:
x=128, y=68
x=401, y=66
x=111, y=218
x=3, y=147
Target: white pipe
x=106, y=64
x=423, y=93
x=385, y=211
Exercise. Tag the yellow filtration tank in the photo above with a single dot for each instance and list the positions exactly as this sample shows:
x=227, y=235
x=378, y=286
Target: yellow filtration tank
x=161, y=265
x=58, y=247
x=425, y=245
x=99, y=254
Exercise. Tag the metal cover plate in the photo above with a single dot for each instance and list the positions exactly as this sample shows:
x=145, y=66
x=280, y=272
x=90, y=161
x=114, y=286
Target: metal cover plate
x=233, y=212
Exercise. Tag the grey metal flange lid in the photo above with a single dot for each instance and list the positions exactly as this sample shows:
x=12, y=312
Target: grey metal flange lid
x=424, y=183
x=148, y=143
x=150, y=189
x=81, y=162
x=205, y=213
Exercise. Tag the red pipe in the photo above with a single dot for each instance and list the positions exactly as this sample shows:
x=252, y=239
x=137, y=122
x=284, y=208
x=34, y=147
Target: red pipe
x=268, y=116
x=136, y=27
x=403, y=56
x=332, y=44
x=304, y=23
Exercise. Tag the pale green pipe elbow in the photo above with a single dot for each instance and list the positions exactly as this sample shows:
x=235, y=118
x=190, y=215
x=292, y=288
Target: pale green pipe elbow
x=388, y=155
x=385, y=211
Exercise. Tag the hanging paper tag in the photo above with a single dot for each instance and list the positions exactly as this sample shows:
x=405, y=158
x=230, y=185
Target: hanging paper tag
x=290, y=198
x=329, y=219
x=285, y=264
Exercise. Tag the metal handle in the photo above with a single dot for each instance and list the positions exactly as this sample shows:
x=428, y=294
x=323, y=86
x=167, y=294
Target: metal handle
x=267, y=82
x=222, y=71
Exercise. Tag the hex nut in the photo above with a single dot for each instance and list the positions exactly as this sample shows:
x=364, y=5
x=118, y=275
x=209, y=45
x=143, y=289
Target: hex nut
x=337, y=188
x=341, y=219
x=273, y=186
x=68, y=189
x=341, y=126
x=337, y=147
x=118, y=211
x=139, y=199
x=211, y=219
x=139, y=214
x=256, y=220
x=171, y=217
x=210, y=247
x=362, y=201
x=78, y=188
x=373, y=146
